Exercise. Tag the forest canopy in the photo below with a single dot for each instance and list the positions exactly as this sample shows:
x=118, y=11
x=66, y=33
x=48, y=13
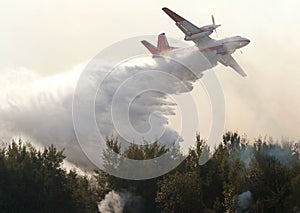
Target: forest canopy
x=241, y=176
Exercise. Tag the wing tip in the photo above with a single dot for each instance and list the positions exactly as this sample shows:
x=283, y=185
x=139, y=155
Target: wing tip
x=144, y=41
x=241, y=72
x=173, y=15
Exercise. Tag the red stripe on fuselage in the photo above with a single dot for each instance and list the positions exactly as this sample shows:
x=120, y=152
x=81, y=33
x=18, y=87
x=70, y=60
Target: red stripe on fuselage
x=212, y=48
x=221, y=45
x=242, y=40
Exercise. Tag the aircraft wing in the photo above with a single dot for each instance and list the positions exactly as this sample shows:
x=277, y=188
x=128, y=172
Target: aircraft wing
x=228, y=60
x=185, y=26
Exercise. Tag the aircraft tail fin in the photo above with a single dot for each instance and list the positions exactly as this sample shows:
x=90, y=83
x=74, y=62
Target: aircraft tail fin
x=162, y=45
x=162, y=42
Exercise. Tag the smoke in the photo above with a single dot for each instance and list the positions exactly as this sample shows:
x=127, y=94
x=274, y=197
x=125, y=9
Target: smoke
x=118, y=202
x=39, y=108
x=246, y=154
x=244, y=202
x=285, y=152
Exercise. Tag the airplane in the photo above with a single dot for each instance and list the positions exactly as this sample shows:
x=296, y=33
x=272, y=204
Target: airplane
x=214, y=50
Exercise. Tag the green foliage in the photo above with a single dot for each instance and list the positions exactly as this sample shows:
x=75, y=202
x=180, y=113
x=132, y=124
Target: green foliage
x=295, y=196
x=147, y=188
x=199, y=151
x=266, y=169
x=34, y=181
x=268, y=172
x=269, y=181
x=180, y=192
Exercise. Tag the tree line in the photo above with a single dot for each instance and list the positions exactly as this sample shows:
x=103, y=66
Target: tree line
x=262, y=176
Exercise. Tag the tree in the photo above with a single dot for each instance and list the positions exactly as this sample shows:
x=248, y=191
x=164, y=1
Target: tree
x=180, y=192
x=268, y=180
x=236, y=184
x=34, y=181
x=239, y=177
x=145, y=188
x=295, y=196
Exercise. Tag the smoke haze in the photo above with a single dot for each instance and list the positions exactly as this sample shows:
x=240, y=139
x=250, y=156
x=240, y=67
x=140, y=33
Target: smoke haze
x=117, y=202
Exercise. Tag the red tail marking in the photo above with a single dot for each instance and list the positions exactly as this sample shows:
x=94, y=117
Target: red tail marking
x=162, y=42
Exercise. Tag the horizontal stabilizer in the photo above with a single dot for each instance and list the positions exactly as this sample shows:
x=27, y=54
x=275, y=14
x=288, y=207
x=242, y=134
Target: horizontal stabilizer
x=154, y=50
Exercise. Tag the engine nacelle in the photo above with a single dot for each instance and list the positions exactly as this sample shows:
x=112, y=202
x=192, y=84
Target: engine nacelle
x=198, y=35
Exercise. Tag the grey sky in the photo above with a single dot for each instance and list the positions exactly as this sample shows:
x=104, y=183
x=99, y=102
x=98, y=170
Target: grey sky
x=49, y=37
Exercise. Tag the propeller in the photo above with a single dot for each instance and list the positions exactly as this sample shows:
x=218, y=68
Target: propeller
x=214, y=24
x=213, y=20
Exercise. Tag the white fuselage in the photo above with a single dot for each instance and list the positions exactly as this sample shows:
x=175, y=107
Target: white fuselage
x=211, y=51
x=224, y=46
